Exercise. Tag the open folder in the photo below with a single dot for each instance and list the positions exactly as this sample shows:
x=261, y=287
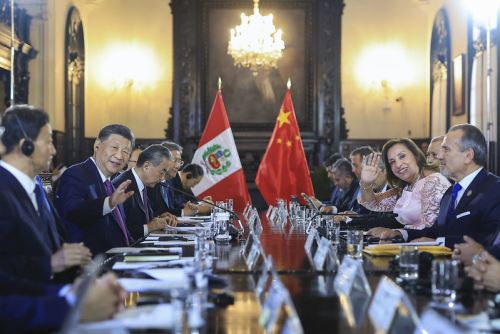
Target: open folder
x=393, y=249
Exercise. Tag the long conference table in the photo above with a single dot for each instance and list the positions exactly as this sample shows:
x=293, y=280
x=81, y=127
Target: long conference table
x=312, y=292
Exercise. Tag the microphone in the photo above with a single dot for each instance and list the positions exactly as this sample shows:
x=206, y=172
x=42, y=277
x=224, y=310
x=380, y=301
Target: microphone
x=231, y=213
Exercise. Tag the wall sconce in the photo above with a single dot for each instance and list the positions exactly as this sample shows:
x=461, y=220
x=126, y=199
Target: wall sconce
x=387, y=67
x=127, y=66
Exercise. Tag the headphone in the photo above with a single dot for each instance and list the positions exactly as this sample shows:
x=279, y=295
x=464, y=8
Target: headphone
x=27, y=147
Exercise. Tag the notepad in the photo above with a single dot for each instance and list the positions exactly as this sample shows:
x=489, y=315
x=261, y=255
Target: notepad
x=149, y=258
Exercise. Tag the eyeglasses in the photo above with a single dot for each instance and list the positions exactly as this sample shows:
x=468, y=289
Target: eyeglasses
x=431, y=155
x=179, y=162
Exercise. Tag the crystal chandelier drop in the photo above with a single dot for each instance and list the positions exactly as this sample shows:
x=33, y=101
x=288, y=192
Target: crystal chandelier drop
x=255, y=43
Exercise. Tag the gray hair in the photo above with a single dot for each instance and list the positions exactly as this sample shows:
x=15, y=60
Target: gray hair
x=154, y=154
x=437, y=138
x=172, y=146
x=343, y=165
x=472, y=138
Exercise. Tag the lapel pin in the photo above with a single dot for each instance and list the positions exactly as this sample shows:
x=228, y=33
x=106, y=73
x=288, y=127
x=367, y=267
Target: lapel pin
x=469, y=193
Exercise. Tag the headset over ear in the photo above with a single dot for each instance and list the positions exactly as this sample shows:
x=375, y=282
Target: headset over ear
x=27, y=147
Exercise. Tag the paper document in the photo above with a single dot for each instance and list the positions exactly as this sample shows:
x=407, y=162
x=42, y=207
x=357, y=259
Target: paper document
x=149, y=285
x=140, y=317
x=136, y=250
x=176, y=278
x=149, y=258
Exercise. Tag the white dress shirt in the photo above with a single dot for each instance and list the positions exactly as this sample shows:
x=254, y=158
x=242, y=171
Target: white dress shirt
x=105, y=207
x=140, y=186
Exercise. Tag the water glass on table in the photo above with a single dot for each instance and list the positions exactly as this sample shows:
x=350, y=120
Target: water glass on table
x=445, y=280
x=408, y=263
x=355, y=244
x=333, y=231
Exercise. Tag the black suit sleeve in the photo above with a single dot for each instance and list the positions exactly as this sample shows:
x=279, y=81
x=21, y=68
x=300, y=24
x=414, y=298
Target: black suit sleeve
x=73, y=202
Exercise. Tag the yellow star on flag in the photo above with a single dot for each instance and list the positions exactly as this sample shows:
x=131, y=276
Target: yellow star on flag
x=283, y=117
x=289, y=143
x=297, y=137
x=279, y=141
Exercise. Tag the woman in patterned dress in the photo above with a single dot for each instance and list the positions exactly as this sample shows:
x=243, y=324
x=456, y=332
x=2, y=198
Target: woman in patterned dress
x=417, y=188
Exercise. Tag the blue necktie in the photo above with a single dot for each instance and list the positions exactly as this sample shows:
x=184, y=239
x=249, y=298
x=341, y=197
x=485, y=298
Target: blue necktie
x=49, y=229
x=454, y=193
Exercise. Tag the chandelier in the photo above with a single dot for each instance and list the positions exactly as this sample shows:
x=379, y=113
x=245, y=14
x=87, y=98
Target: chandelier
x=255, y=43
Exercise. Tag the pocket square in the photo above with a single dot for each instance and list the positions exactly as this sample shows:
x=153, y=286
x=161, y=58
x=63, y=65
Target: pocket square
x=463, y=214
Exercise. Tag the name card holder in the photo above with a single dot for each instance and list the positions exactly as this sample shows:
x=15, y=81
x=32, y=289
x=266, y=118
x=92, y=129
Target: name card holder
x=265, y=279
x=273, y=215
x=269, y=210
x=245, y=250
x=325, y=254
x=391, y=311
x=257, y=226
x=256, y=251
x=312, y=237
x=251, y=220
x=278, y=312
x=246, y=211
x=353, y=290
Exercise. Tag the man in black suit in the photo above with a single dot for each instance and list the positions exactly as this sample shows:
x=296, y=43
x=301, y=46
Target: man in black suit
x=162, y=198
x=89, y=204
x=30, y=244
x=152, y=165
x=471, y=207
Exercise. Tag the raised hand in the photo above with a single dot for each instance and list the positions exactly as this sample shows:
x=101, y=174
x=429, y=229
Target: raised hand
x=370, y=169
x=120, y=196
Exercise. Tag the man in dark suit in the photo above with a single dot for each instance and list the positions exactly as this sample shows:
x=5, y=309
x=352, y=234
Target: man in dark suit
x=472, y=205
x=30, y=244
x=162, y=198
x=152, y=165
x=87, y=201
x=36, y=307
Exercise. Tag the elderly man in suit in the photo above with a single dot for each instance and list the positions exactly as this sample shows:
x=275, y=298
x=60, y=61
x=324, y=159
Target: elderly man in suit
x=30, y=243
x=87, y=201
x=471, y=207
x=152, y=165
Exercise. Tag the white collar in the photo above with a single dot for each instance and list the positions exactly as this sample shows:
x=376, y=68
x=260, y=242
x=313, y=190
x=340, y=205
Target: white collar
x=466, y=181
x=27, y=182
x=103, y=177
x=138, y=180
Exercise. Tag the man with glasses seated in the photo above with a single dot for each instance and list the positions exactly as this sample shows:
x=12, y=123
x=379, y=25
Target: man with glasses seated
x=86, y=199
x=163, y=198
x=432, y=152
x=152, y=165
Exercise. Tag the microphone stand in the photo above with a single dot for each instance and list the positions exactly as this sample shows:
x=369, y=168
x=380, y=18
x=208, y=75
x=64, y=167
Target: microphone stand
x=241, y=229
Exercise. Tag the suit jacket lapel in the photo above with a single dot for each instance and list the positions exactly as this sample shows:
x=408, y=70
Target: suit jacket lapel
x=443, y=210
x=471, y=191
x=137, y=194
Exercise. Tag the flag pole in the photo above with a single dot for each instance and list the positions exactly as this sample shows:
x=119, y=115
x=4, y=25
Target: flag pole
x=219, y=84
x=289, y=83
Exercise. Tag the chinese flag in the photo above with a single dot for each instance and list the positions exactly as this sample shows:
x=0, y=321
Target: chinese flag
x=218, y=155
x=283, y=171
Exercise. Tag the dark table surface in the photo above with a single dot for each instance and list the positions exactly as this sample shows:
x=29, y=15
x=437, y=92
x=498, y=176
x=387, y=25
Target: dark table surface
x=317, y=305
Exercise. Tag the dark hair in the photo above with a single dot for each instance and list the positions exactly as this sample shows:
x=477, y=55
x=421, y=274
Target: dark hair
x=172, y=146
x=363, y=151
x=195, y=170
x=392, y=179
x=472, y=138
x=154, y=154
x=332, y=159
x=116, y=129
x=343, y=165
x=18, y=118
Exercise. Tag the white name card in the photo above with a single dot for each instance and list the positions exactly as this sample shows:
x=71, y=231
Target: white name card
x=311, y=237
x=388, y=297
x=433, y=322
x=246, y=210
x=268, y=212
x=254, y=254
x=346, y=275
x=325, y=253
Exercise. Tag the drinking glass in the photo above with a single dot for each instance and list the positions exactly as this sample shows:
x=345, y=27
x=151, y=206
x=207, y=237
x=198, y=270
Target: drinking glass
x=408, y=263
x=445, y=280
x=333, y=231
x=355, y=243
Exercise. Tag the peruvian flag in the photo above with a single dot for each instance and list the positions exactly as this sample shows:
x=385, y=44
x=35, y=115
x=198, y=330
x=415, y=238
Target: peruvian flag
x=217, y=153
